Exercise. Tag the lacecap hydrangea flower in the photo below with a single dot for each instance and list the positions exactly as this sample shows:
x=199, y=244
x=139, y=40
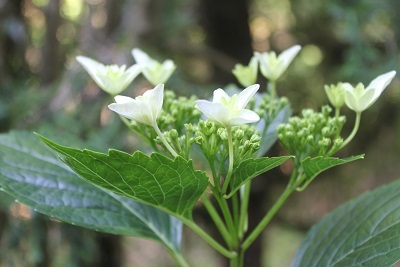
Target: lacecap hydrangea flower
x=359, y=98
x=154, y=71
x=229, y=111
x=113, y=79
x=273, y=66
x=143, y=109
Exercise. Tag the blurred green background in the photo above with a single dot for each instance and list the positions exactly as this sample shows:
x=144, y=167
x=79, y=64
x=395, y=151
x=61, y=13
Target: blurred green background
x=42, y=88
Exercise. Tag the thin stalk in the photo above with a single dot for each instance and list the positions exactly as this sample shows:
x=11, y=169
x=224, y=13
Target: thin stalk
x=273, y=95
x=235, y=209
x=217, y=220
x=211, y=241
x=267, y=218
x=162, y=138
x=337, y=112
x=230, y=168
x=228, y=219
x=244, y=204
x=353, y=133
x=211, y=162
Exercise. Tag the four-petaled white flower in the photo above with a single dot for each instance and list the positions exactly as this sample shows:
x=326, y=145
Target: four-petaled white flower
x=246, y=75
x=273, y=66
x=154, y=71
x=144, y=109
x=359, y=99
x=230, y=111
x=111, y=78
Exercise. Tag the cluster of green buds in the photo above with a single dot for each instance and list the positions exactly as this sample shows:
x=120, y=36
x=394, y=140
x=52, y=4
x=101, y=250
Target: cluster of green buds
x=212, y=138
x=313, y=134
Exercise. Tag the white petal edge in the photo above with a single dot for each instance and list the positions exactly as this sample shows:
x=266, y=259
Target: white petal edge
x=380, y=83
x=244, y=116
x=214, y=111
x=140, y=57
x=120, y=99
x=245, y=96
x=218, y=95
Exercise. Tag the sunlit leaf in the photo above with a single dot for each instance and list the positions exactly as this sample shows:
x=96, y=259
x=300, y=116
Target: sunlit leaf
x=250, y=168
x=314, y=166
x=173, y=186
x=32, y=174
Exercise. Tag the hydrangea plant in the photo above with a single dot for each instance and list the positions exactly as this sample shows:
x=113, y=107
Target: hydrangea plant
x=153, y=196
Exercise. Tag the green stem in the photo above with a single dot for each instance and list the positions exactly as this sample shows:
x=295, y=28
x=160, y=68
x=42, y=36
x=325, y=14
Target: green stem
x=162, y=138
x=237, y=261
x=243, y=219
x=267, y=218
x=337, y=112
x=353, y=133
x=272, y=89
x=228, y=219
x=217, y=220
x=273, y=95
x=179, y=258
x=195, y=228
x=230, y=168
x=211, y=162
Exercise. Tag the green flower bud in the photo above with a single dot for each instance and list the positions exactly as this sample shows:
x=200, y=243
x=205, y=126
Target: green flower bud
x=222, y=133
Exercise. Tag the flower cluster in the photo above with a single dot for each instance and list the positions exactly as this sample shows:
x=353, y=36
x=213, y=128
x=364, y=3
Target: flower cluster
x=114, y=79
x=313, y=134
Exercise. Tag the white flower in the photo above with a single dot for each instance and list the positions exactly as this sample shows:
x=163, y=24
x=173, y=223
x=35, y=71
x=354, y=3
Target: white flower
x=112, y=78
x=229, y=111
x=154, y=71
x=144, y=109
x=272, y=66
x=359, y=99
x=246, y=75
x=335, y=94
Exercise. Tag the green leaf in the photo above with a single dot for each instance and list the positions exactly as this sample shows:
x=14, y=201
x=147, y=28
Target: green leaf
x=362, y=232
x=32, y=174
x=250, y=168
x=314, y=166
x=173, y=186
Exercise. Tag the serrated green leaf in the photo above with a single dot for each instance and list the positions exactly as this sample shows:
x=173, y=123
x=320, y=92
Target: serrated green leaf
x=32, y=174
x=250, y=168
x=362, y=232
x=173, y=186
x=314, y=166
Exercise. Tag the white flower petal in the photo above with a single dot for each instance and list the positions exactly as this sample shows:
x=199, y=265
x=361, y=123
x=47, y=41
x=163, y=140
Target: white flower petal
x=137, y=111
x=120, y=99
x=218, y=95
x=350, y=100
x=93, y=68
x=214, y=111
x=244, y=116
x=156, y=100
x=141, y=57
x=288, y=55
x=380, y=83
x=245, y=96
